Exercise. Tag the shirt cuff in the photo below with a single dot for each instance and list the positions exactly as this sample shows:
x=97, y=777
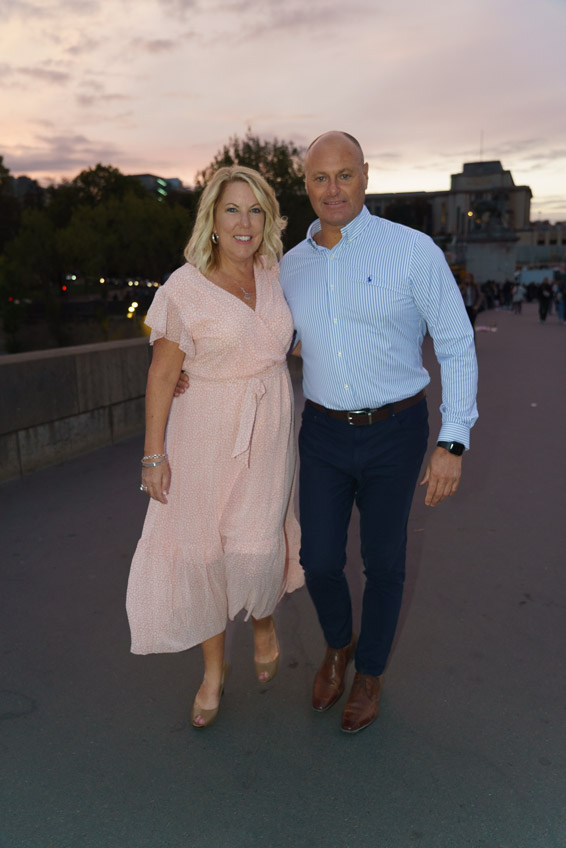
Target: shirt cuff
x=455, y=433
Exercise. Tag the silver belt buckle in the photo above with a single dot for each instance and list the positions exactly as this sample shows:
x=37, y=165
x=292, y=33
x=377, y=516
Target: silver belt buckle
x=358, y=412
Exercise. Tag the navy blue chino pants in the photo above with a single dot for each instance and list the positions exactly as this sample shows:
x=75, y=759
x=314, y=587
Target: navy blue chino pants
x=377, y=467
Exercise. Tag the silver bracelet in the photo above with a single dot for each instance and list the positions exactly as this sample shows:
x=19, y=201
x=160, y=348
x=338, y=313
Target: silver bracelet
x=153, y=464
x=154, y=456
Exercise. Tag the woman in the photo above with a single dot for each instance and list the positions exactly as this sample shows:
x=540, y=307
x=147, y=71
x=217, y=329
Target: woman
x=220, y=534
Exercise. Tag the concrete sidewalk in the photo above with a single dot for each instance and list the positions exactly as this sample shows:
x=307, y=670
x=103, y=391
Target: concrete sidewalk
x=470, y=748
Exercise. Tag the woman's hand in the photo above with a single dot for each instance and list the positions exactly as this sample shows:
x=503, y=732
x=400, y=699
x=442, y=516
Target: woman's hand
x=156, y=481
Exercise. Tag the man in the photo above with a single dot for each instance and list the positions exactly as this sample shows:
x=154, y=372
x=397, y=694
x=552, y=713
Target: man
x=363, y=292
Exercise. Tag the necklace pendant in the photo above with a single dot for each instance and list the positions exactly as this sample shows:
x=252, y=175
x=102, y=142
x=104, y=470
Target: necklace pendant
x=247, y=296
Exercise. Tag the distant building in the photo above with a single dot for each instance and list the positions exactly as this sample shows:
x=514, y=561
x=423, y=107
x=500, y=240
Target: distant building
x=543, y=244
x=160, y=186
x=483, y=190
x=475, y=221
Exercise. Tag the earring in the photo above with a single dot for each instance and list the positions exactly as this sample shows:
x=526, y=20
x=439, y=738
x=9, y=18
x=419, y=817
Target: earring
x=214, y=238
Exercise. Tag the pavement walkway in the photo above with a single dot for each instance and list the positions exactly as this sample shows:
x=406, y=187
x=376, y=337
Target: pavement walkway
x=470, y=748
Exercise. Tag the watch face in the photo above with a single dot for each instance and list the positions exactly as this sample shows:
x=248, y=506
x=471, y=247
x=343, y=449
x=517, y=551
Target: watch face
x=457, y=448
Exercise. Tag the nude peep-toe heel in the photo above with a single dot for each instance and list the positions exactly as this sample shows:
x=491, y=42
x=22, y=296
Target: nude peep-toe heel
x=267, y=669
x=209, y=716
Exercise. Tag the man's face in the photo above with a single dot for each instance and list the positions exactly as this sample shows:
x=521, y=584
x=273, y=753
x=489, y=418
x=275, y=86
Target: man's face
x=336, y=180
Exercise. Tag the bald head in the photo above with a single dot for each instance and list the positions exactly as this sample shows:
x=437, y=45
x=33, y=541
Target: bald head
x=336, y=135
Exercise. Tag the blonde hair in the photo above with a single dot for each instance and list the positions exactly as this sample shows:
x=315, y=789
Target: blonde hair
x=201, y=252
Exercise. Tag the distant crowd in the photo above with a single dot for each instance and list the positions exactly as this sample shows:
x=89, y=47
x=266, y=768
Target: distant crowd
x=551, y=296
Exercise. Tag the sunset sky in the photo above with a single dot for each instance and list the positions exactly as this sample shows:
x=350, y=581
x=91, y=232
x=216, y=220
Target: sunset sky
x=159, y=86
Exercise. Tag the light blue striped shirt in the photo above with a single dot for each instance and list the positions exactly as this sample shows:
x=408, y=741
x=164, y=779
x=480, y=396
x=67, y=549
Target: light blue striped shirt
x=361, y=310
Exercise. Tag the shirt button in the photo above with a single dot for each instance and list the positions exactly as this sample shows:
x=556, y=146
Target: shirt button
x=331, y=288
x=339, y=353
x=336, y=320
x=346, y=386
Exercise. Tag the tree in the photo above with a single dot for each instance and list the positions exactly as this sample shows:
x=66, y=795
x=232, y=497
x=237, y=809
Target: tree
x=129, y=236
x=281, y=164
x=9, y=208
x=99, y=184
x=31, y=273
x=89, y=188
x=4, y=176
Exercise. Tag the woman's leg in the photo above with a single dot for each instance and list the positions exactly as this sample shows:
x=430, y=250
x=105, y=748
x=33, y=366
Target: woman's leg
x=208, y=696
x=266, y=647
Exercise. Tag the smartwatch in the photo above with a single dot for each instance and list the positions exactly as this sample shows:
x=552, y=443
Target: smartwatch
x=457, y=448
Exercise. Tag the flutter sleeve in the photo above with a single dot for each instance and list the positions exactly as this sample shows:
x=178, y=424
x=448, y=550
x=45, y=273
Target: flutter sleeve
x=166, y=322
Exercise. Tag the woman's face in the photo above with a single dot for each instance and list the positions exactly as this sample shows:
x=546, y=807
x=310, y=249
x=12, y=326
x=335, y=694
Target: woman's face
x=238, y=221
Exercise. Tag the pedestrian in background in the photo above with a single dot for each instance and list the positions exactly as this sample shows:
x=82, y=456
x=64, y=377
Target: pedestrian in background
x=472, y=297
x=544, y=296
x=518, y=298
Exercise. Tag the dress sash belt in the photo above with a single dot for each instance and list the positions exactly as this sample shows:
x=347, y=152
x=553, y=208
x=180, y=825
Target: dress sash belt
x=255, y=390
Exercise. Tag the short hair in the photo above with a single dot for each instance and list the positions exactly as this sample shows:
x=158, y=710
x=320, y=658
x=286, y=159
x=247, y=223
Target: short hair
x=201, y=252
x=351, y=138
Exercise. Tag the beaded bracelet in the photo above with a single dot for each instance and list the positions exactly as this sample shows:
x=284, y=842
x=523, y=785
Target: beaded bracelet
x=154, y=456
x=153, y=464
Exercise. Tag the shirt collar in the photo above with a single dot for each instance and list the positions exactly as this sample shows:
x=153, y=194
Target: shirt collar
x=349, y=232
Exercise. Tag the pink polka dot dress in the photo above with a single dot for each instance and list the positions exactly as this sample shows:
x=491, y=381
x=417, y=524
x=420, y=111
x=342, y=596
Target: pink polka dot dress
x=228, y=539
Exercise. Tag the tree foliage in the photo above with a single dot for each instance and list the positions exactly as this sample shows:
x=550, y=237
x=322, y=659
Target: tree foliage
x=103, y=223
x=4, y=176
x=100, y=224
x=129, y=236
x=90, y=188
x=9, y=209
x=279, y=162
x=103, y=182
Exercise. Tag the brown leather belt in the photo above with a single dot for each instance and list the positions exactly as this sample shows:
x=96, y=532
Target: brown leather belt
x=363, y=417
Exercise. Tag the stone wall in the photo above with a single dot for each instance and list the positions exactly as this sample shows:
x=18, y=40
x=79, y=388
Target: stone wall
x=57, y=404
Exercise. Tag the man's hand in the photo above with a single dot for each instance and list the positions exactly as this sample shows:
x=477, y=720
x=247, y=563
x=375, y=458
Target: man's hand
x=182, y=384
x=442, y=476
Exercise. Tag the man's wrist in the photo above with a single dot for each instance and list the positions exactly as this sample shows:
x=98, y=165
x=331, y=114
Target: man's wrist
x=456, y=448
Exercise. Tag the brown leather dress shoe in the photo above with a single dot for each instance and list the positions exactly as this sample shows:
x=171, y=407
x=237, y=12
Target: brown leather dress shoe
x=363, y=704
x=329, y=679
